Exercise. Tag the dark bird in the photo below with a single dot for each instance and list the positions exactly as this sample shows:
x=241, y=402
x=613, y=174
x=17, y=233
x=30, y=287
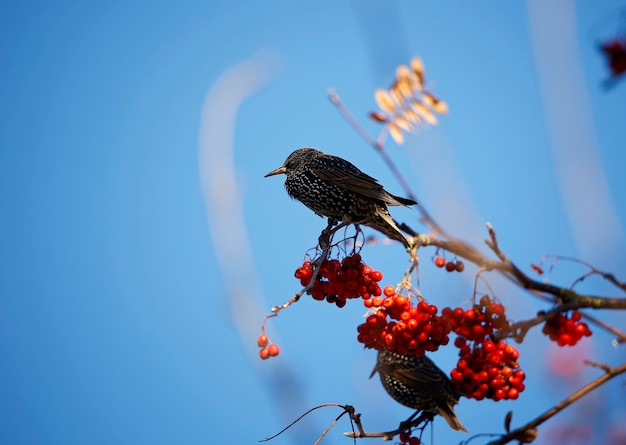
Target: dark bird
x=334, y=188
x=418, y=383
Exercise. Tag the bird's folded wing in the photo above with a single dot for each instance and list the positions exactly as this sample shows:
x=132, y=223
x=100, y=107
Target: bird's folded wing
x=359, y=183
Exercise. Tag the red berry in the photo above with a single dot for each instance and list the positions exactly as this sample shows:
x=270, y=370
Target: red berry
x=273, y=350
x=459, y=266
x=264, y=353
x=389, y=291
x=376, y=275
x=262, y=341
x=450, y=266
x=440, y=261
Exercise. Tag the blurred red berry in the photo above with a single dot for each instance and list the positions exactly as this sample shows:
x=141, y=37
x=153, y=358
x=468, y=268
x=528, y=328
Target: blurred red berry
x=262, y=341
x=273, y=350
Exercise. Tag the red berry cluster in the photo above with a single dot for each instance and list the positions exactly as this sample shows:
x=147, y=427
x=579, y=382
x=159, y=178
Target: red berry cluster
x=488, y=370
x=615, y=53
x=399, y=326
x=338, y=281
x=479, y=322
x=407, y=439
x=450, y=266
x=267, y=349
x=566, y=331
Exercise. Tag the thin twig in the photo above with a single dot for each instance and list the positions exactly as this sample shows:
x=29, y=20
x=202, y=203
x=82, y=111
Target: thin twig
x=531, y=427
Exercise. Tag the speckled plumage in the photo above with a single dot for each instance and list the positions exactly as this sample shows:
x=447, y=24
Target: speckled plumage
x=334, y=188
x=418, y=383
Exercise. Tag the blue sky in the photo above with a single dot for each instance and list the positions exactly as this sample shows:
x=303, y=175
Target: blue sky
x=120, y=322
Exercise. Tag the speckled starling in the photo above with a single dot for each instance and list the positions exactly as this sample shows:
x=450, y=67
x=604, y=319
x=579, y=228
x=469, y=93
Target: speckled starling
x=418, y=383
x=334, y=188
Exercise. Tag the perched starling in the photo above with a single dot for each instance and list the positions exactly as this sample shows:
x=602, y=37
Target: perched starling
x=418, y=383
x=334, y=188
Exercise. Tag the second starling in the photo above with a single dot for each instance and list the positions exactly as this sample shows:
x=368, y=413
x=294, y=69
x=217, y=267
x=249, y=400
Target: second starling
x=418, y=383
x=334, y=188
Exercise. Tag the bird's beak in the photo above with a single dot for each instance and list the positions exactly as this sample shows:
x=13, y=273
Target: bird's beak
x=280, y=170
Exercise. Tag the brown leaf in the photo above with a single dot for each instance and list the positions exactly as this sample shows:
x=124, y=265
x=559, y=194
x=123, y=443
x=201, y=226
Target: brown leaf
x=437, y=105
x=418, y=69
x=378, y=117
x=507, y=421
x=440, y=107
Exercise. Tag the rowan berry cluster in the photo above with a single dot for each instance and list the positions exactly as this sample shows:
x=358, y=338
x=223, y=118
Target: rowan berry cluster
x=267, y=349
x=566, y=331
x=450, y=266
x=488, y=369
x=478, y=322
x=338, y=281
x=407, y=439
x=399, y=326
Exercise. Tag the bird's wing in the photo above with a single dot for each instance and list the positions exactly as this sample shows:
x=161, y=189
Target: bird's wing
x=355, y=182
x=422, y=375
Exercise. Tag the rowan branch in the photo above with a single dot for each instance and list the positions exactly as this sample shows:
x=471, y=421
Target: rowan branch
x=529, y=430
x=424, y=418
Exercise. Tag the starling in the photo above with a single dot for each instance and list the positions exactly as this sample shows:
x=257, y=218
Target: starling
x=334, y=188
x=418, y=383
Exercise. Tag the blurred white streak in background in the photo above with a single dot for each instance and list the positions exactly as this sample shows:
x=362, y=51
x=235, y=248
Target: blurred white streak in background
x=222, y=199
x=587, y=200
x=224, y=209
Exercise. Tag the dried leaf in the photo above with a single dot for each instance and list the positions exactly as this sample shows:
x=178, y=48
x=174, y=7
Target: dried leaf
x=396, y=95
x=423, y=111
x=507, y=421
x=384, y=101
x=403, y=73
x=437, y=105
x=418, y=69
x=401, y=122
x=378, y=117
x=404, y=87
x=411, y=116
x=440, y=107
x=428, y=99
x=396, y=133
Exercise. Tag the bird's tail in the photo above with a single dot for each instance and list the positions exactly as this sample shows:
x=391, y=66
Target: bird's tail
x=401, y=201
x=386, y=225
x=447, y=412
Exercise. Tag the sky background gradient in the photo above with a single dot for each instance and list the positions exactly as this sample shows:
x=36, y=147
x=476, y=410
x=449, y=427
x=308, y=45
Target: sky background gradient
x=141, y=246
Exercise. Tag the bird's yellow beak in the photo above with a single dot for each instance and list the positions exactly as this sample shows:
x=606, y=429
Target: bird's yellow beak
x=280, y=170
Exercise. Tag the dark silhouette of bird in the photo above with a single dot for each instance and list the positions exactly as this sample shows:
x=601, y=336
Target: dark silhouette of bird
x=418, y=383
x=334, y=188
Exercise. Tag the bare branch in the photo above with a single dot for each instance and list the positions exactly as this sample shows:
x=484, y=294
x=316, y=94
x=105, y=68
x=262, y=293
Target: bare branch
x=528, y=430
